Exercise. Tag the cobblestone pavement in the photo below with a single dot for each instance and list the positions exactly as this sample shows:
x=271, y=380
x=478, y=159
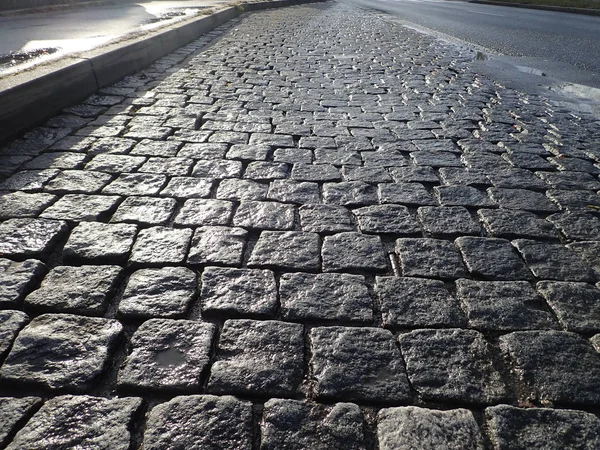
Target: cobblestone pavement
x=322, y=230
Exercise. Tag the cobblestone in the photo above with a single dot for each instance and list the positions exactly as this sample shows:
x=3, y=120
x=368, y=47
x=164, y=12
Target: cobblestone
x=18, y=278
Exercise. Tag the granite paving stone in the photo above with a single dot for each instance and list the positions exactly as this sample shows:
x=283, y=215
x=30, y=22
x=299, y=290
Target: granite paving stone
x=575, y=200
x=291, y=191
x=553, y=261
x=21, y=204
x=325, y=297
x=25, y=238
x=265, y=215
x=429, y=258
x=410, y=427
x=238, y=292
x=467, y=196
x=293, y=250
x=416, y=174
x=204, y=212
x=145, y=210
x=164, y=292
x=217, y=169
x=319, y=218
x=297, y=425
x=384, y=219
x=167, y=355
x=415, y=303
x=570, y=180
x=18, y=278
x=352, y=251
x=576, y=225
x=160, y=245
x=447, y=221
x=115, y=163
x=492, y=258
x=217, y=245
x=61, y=352
x=405, y=193
x=292, y=155
x=235, y=189
x=266, y=171
x=452, y=365
x=264, y=358
x=136, y=184
x=56, y=160
x=201, y=422
x=13, y=413
x=175, y=166
x=187, y=187
x=589, y=252
x=358, y=364
x=521, y=199
x=82, y=207
x=149, y=147
x=506, y=223
x=81, y=290
x=554, y=367
x=454, y=176
x=576, y=305
x=101, y=424
x=349, y=193
x=541, y=428
x=28, y=180
x=95, y=242
x=516, y=179
x=78, y=182
x=503, y=305
x=11, y=322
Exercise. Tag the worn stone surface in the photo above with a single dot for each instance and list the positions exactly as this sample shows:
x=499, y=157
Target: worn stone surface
x=452, y=365
x=79, y=290
x=18, y=278
x=160, y=245
x=201, y=422
x=504, y=223
x=291, y=191
x=429, y=258
x=353, y=251
x=350, y=193
x=576, y=225
x=541, y=428
x=25, y=238
x=392, y=219
x=447, y=221
x=238, y=292
x=265, y=215
x=286, y=249
x=158, y=292
x=576, y=305
x=187, y=187
x=11, y=323
x=21, y=204
x=589, y=252
x=262, y=358
x=13, y=412
x=78, y=181
x=61, y=351
x=410, y=427
x=82, y=207
x=167, y=355
x=326, y=297
x=204, y=212
x=553, y=261
x=217, y=245
x=503, y=305
x=297, y=425
x=414, y=302
x=555, y=366
x=521, y=199
x=358, y=364
x=319, y=218
x=101, y=424
x=99, y=242
x=405, y=194
x=145, y=210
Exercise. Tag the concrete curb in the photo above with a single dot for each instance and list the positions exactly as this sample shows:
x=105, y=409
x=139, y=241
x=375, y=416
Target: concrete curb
x=31, y=97
x=587, y=12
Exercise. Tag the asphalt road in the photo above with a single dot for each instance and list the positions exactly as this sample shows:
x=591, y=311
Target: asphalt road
x=563, y=46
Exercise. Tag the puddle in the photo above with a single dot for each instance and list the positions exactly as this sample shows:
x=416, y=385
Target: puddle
x=170, y=357
x=12, y=59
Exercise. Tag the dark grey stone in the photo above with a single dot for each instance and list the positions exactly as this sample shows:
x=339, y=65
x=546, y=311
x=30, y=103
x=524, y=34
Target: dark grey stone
x=503, y=306
x=115, y=163
x=81, y=207
x=187, y=187
x=576, y=225
x=217, y=169
x=160, y=292
x=515, y=179
x=11, y=323
x=447, y=221
x=148, y=147
x=263, y=358
x=176, y=167
x=353, y=251
x=236, y=189
x=167, y=355
x=414, y=302
x=461, y=196
x=217, y=245
x=82, y=421
x=204, y=212
x=512, y=223
x=492, y=258
x=61, y=351
x=315, y=172
x=22, y=204
x=554, y=366
x=521, y=199
x=100, y=242
x=145, y=210
x=200, y=422
x=264, y=215
x=575, y=200
x=18, y=278
x=13, y=413
x=248, y=152
x=553, y=261
x=318, y=218
x=349, y=193
x=411, y=174
x=28, y=180
x=292, y=155
x=358, y=364
x=577, y=305
x=296, y=425
x=78, y=181
x=468, y=177
x=25, y=238
x=56, y=160
x=589, y=252
x=79, y=290
x=266, y=171
x=452, y=365
x=337, y=157
x=512, y=428
x=136, y=184
x=160, y=245
x=293, y=250
x=292, y=191
x=429, y=258
x=208, y=151
x=405, y=193
x=393, y=219
x=368, y=174
x=570, y=180
x=328, y=296
x=410, y=427
x=238, y=292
